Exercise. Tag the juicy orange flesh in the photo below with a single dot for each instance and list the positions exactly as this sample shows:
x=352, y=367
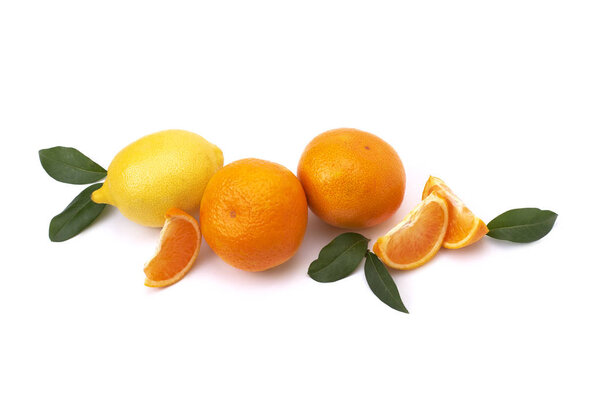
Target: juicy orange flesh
x=460, y=218
x=415, y=240
x=460, y=222
x=178, y=245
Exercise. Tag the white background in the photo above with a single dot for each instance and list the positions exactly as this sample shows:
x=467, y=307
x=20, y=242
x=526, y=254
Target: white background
x=499, y=99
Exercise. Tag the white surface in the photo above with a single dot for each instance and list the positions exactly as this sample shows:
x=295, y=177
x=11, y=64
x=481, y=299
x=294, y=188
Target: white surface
x=500, y=99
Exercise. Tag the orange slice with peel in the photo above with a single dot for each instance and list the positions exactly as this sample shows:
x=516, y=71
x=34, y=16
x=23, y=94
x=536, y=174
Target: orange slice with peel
x=464, y=228
x=417, y=238
x=178, y=248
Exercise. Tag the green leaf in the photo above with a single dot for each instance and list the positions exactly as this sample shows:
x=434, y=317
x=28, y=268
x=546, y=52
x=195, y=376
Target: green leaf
x=522, y=225
x=69, y=165
x=381, y=283
x=339, y=258
x=80, y=213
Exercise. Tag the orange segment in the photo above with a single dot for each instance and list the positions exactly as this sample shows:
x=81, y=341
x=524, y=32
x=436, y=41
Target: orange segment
x=178, y=248
x=417, y=238
x=464, y=228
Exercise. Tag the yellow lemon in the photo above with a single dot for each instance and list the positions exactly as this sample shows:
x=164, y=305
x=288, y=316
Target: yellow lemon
x=158, y=172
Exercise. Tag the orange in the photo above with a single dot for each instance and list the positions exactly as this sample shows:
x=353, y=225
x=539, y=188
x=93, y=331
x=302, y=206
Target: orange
x=464, y=228
x=253, y=214
x=417, y=238
x=178, y=248
x=352, y=179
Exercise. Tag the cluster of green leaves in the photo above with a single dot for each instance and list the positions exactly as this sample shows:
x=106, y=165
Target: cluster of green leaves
x=69, y=165
x=343, y=255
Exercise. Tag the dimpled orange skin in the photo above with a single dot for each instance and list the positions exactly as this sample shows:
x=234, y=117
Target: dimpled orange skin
x=253, y=214
x=352, y=179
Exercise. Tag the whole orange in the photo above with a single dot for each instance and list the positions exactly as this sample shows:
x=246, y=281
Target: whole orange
x=352, y=179
x=253, y=214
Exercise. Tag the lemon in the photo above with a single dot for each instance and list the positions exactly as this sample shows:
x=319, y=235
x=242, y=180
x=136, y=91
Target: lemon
x=157, y=172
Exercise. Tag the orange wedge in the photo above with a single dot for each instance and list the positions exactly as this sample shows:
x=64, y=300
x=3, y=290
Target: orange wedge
x=464, y=228
x=417, y=238
x=178, y=248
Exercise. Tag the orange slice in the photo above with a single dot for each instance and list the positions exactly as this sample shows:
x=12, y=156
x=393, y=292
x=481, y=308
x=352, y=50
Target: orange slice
x=417, y=238
x=464, y=228
x=178, y=248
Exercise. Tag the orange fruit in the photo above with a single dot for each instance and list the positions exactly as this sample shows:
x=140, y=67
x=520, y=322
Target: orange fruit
x=464, y=228
x=417, y=238
x=253, y=214
x=178, y=248
x=352, y=179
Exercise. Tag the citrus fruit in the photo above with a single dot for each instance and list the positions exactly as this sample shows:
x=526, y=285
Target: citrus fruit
x=178, y=248
x=417, y=238
x=352, y=179
x=158, y=172
x=253, y=214
x=464, y=228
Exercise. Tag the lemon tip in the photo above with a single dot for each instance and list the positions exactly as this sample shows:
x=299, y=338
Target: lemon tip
x=100, y=196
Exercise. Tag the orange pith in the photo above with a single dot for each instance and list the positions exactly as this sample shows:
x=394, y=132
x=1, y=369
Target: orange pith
x=417, y=238
x=352, y=179
x=178, y=248
x=464, y=228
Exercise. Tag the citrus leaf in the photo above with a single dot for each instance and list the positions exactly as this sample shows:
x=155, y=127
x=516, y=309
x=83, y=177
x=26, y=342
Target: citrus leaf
x=80, y=213
x=522, y=225
x=381, y=283
x=69, y=165
x=339, y=258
